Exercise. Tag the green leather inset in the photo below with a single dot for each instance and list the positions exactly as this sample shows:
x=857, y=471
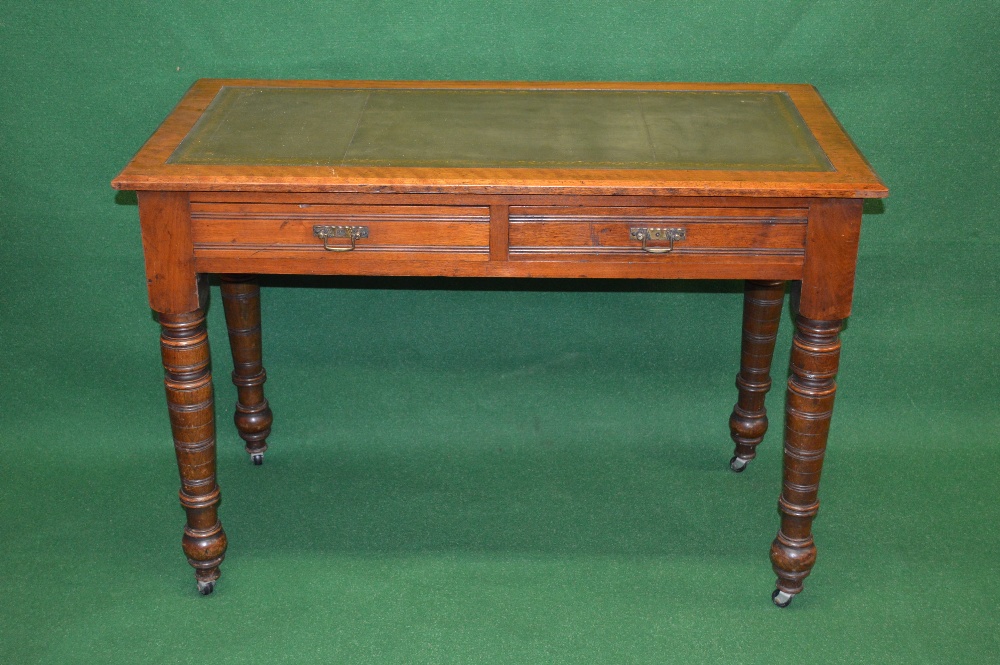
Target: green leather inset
x=290, y=126
x=503, y=128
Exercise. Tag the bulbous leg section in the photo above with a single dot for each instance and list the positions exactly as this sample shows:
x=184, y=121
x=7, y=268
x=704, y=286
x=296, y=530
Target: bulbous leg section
x=253, y=422
x=205, y=550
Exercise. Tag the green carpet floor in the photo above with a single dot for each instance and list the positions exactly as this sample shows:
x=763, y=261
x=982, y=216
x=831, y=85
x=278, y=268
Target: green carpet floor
x=498, y=472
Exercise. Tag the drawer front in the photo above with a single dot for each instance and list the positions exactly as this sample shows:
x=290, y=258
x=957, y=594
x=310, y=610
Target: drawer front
x=655, y=234
x=410, y=231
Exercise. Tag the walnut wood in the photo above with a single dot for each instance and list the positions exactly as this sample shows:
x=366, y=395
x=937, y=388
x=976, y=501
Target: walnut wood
x=253, y=417
x=386, y=232
x=272, y=233
x=166, y=242
x=808, y=409
x=188, y=381
x=670, y=266
x=499, y=232
x=834, y=229
x=704, y=233
x=767, y=227
x=612, y=209
x=762, y=304
x=852, y=177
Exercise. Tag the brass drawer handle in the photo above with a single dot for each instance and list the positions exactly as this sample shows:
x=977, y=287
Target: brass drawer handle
x=327, y=232
x=644, y=234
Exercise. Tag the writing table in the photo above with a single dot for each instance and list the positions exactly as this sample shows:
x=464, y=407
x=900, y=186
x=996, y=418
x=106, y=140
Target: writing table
x=586, y=180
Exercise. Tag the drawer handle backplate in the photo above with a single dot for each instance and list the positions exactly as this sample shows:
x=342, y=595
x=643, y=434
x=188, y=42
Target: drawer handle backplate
x=644, y=234
x=327, y=232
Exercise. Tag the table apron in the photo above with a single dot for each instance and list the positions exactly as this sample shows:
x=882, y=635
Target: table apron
x=545, y=236
x=674, y=267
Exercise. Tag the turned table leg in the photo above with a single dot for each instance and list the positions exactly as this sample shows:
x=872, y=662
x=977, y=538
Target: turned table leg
x=809, y=406
x=241, y=301
x=188, y=380
x=762, y=303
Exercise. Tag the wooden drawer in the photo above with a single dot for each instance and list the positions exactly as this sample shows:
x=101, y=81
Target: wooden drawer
x=422, y=232
x=554, y=232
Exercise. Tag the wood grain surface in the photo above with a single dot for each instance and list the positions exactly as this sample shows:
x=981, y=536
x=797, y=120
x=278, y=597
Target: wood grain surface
x=852, y=177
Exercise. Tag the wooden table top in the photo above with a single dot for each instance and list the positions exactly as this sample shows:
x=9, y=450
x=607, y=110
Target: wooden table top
x=655, y=138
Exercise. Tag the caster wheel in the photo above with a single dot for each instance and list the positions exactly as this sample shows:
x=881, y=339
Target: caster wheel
x=205, y=588
x=781, y=599
x=257, y=459
x=738, y=464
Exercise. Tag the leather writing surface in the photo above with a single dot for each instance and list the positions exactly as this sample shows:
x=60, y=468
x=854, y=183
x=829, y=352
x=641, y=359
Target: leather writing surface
x=502, y=128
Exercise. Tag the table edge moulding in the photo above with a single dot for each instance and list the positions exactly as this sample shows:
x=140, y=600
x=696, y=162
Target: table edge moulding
x=752, y=182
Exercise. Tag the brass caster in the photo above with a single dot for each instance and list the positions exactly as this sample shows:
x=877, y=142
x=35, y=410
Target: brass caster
x=257, y=459
x=205, y=588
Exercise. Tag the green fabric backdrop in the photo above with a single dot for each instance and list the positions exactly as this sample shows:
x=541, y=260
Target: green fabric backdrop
x=495, y=473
